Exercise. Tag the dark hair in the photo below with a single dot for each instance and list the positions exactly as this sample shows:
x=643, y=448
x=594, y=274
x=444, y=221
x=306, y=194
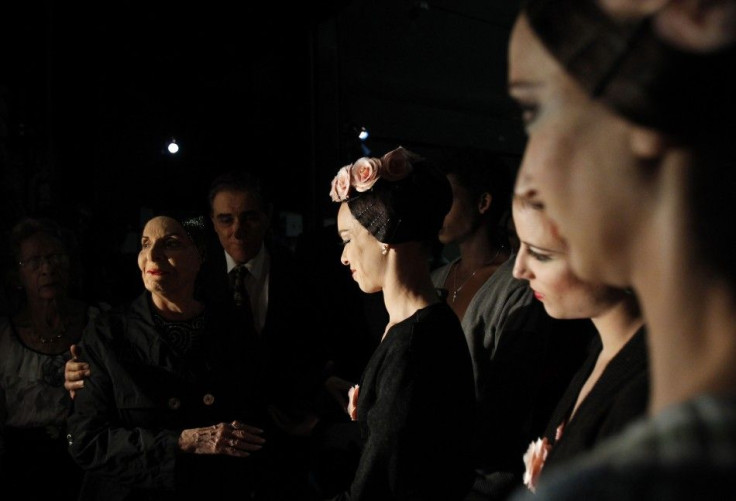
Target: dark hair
x=411, y=209
x=480, y=172
x=686, y=95
x=244, y=181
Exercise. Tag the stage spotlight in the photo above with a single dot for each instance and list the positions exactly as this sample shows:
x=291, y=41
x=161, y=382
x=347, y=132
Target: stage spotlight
x=173, y=147
x=363, y=134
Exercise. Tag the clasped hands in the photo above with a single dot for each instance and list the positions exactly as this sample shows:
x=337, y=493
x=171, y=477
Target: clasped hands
x=231, y=439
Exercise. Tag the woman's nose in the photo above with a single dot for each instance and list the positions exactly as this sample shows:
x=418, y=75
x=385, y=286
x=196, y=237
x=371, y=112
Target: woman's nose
x=521, y=271
x=343, y=259
x=155, y=252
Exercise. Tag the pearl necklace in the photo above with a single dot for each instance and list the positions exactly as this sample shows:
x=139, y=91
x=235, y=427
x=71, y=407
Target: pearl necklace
x=57, y=333
x=454, y=275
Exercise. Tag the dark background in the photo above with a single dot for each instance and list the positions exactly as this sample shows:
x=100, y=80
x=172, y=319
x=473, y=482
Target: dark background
x=90, y=93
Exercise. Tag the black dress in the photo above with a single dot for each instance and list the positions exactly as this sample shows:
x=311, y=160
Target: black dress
x=416, y=412
x=618, y=398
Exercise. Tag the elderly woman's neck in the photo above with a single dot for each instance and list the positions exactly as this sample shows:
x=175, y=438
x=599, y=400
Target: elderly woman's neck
x=183, y=307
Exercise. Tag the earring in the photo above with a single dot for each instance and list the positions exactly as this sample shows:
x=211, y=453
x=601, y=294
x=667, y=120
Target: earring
x=384, y=249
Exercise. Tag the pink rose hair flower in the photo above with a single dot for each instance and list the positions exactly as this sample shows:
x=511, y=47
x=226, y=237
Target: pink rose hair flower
x=340, y=188
x=363, y=174
x=353, y=402
x=534, y=459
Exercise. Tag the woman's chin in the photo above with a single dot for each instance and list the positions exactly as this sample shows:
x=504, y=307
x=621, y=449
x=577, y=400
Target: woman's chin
x=367, y=289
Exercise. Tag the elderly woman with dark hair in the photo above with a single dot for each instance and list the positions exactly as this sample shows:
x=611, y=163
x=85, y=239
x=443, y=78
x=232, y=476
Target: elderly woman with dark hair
x=168, y=408
x=630, y=152
x=34, y=344
x=415, y=402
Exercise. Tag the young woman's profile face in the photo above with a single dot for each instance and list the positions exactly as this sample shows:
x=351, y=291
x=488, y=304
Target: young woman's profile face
x=577, y=161
x=361, y=251
x=542, y=261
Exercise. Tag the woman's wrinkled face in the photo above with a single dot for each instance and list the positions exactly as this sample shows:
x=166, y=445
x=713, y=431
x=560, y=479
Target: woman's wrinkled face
x=169, y=261
x=577, y=163
x=463, y=217
x=361, y=252
x=542, y=261
x=44, y=267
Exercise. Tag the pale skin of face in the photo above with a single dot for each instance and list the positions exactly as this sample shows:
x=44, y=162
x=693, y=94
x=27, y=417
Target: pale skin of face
x=542, y=261
x=361, y=252
x=402, y=272
x=240, y=223
x=619, y=195
x=169, y=263
x=577, y=162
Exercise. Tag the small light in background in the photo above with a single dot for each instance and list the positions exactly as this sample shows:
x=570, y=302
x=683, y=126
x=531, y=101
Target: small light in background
x=173, y=147
x=363, y=134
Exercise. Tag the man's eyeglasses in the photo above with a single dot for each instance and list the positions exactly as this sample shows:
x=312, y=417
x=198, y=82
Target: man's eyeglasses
x=35, y=262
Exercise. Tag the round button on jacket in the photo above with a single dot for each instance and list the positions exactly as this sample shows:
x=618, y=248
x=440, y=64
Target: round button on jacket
x=208, y=399
x=174, y=403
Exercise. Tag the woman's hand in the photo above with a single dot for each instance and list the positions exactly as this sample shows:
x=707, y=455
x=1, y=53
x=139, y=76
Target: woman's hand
x=230, y=439
x=75, y=372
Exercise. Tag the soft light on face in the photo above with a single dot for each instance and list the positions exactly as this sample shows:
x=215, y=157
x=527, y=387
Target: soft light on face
x=361, y=251
x=50, y=278
x=577, y=161
x=542, y=260
x=240, y=223
x=168, y=260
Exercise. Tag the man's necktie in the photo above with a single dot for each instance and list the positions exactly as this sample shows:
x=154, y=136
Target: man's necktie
x=241, y=298
x=238, y=276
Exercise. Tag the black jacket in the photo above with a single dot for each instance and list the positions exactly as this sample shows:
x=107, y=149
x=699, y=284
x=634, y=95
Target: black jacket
x=126, y=421
x=291, y=345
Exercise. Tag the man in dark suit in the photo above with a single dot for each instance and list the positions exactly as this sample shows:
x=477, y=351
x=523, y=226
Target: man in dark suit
x=277, y=308
x=279, y=302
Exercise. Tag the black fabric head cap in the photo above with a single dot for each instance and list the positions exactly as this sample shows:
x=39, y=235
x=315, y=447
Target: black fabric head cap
x=406, y=210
